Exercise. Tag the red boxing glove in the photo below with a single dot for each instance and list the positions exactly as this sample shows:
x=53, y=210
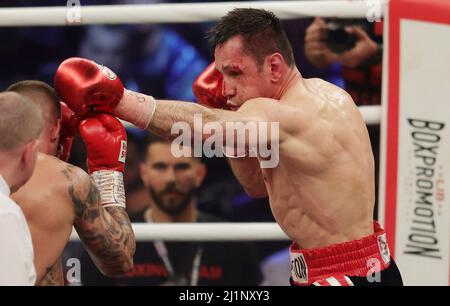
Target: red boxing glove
x=207, y=88
x=90, y=88
x=86, y=86
x=69, y=128
x=106, y=143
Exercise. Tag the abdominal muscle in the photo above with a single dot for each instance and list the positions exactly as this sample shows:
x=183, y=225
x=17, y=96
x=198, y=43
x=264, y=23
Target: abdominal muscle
x=322, y=190
x=322, y=209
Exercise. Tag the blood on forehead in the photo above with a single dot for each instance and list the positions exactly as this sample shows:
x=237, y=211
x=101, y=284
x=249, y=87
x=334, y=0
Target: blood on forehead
x=230, y=55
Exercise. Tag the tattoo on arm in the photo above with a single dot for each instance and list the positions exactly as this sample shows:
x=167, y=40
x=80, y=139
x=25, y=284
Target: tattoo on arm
x=106, y=232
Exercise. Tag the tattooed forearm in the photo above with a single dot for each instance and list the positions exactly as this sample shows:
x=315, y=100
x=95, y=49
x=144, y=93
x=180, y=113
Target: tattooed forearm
x=119, y=241
x=54, y=275
x=106, y=232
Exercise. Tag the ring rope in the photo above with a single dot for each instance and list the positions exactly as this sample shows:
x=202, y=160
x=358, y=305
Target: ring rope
x=177, y=12
x=370, y=113
x=254, y=231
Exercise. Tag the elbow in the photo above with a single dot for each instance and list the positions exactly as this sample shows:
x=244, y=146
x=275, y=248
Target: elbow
x=127, y=266
x=257, y=193
x=123, y=263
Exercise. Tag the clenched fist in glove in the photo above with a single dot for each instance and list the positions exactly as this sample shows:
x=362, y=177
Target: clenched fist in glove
x=106, y=145
x=86, y=86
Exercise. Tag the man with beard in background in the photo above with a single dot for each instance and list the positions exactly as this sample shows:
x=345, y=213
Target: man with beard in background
x=172, y=184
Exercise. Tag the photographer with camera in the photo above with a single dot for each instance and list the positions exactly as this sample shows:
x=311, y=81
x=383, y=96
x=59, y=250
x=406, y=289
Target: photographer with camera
x=356, y=46
x=350, y=45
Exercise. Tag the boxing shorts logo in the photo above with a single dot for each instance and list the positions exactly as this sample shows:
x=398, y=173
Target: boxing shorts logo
x=299, y=269
x=123, y=151
x=107, y=72
x=384, y=248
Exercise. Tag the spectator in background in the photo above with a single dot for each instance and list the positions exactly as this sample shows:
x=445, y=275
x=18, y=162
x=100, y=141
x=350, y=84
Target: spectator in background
x=172, y=183
x=361, y=63
x=149, y=58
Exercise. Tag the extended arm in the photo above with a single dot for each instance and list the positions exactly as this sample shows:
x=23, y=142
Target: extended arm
x=246, y=169
x=236, y=133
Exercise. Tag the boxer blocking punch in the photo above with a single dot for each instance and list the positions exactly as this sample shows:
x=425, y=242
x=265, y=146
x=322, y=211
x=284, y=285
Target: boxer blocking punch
x=322, y=190
x=60, y=196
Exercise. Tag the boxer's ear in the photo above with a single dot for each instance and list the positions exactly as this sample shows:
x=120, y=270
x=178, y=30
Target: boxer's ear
x=276, y=65
x=55, y=131
x=29, y=154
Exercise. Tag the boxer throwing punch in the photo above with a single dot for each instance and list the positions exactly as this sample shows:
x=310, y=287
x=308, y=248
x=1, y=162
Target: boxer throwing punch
x=321, y=191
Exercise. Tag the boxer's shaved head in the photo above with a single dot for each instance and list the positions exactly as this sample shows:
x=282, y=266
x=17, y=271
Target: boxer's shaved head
x=20, y=121
x=47, y=100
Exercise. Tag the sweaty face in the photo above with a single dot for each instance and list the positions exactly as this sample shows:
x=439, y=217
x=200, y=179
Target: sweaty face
x=171, y=181
x=243, y=77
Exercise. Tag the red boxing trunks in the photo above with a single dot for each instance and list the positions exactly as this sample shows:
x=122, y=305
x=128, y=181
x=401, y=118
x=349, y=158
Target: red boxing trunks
x=366, y=261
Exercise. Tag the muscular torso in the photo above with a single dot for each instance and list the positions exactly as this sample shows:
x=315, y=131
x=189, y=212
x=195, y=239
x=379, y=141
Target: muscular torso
x=50, y=214
x=322, y=191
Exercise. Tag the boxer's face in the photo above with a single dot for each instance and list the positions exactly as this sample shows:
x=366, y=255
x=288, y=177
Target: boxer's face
x=171, y=181
x=243, y=77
